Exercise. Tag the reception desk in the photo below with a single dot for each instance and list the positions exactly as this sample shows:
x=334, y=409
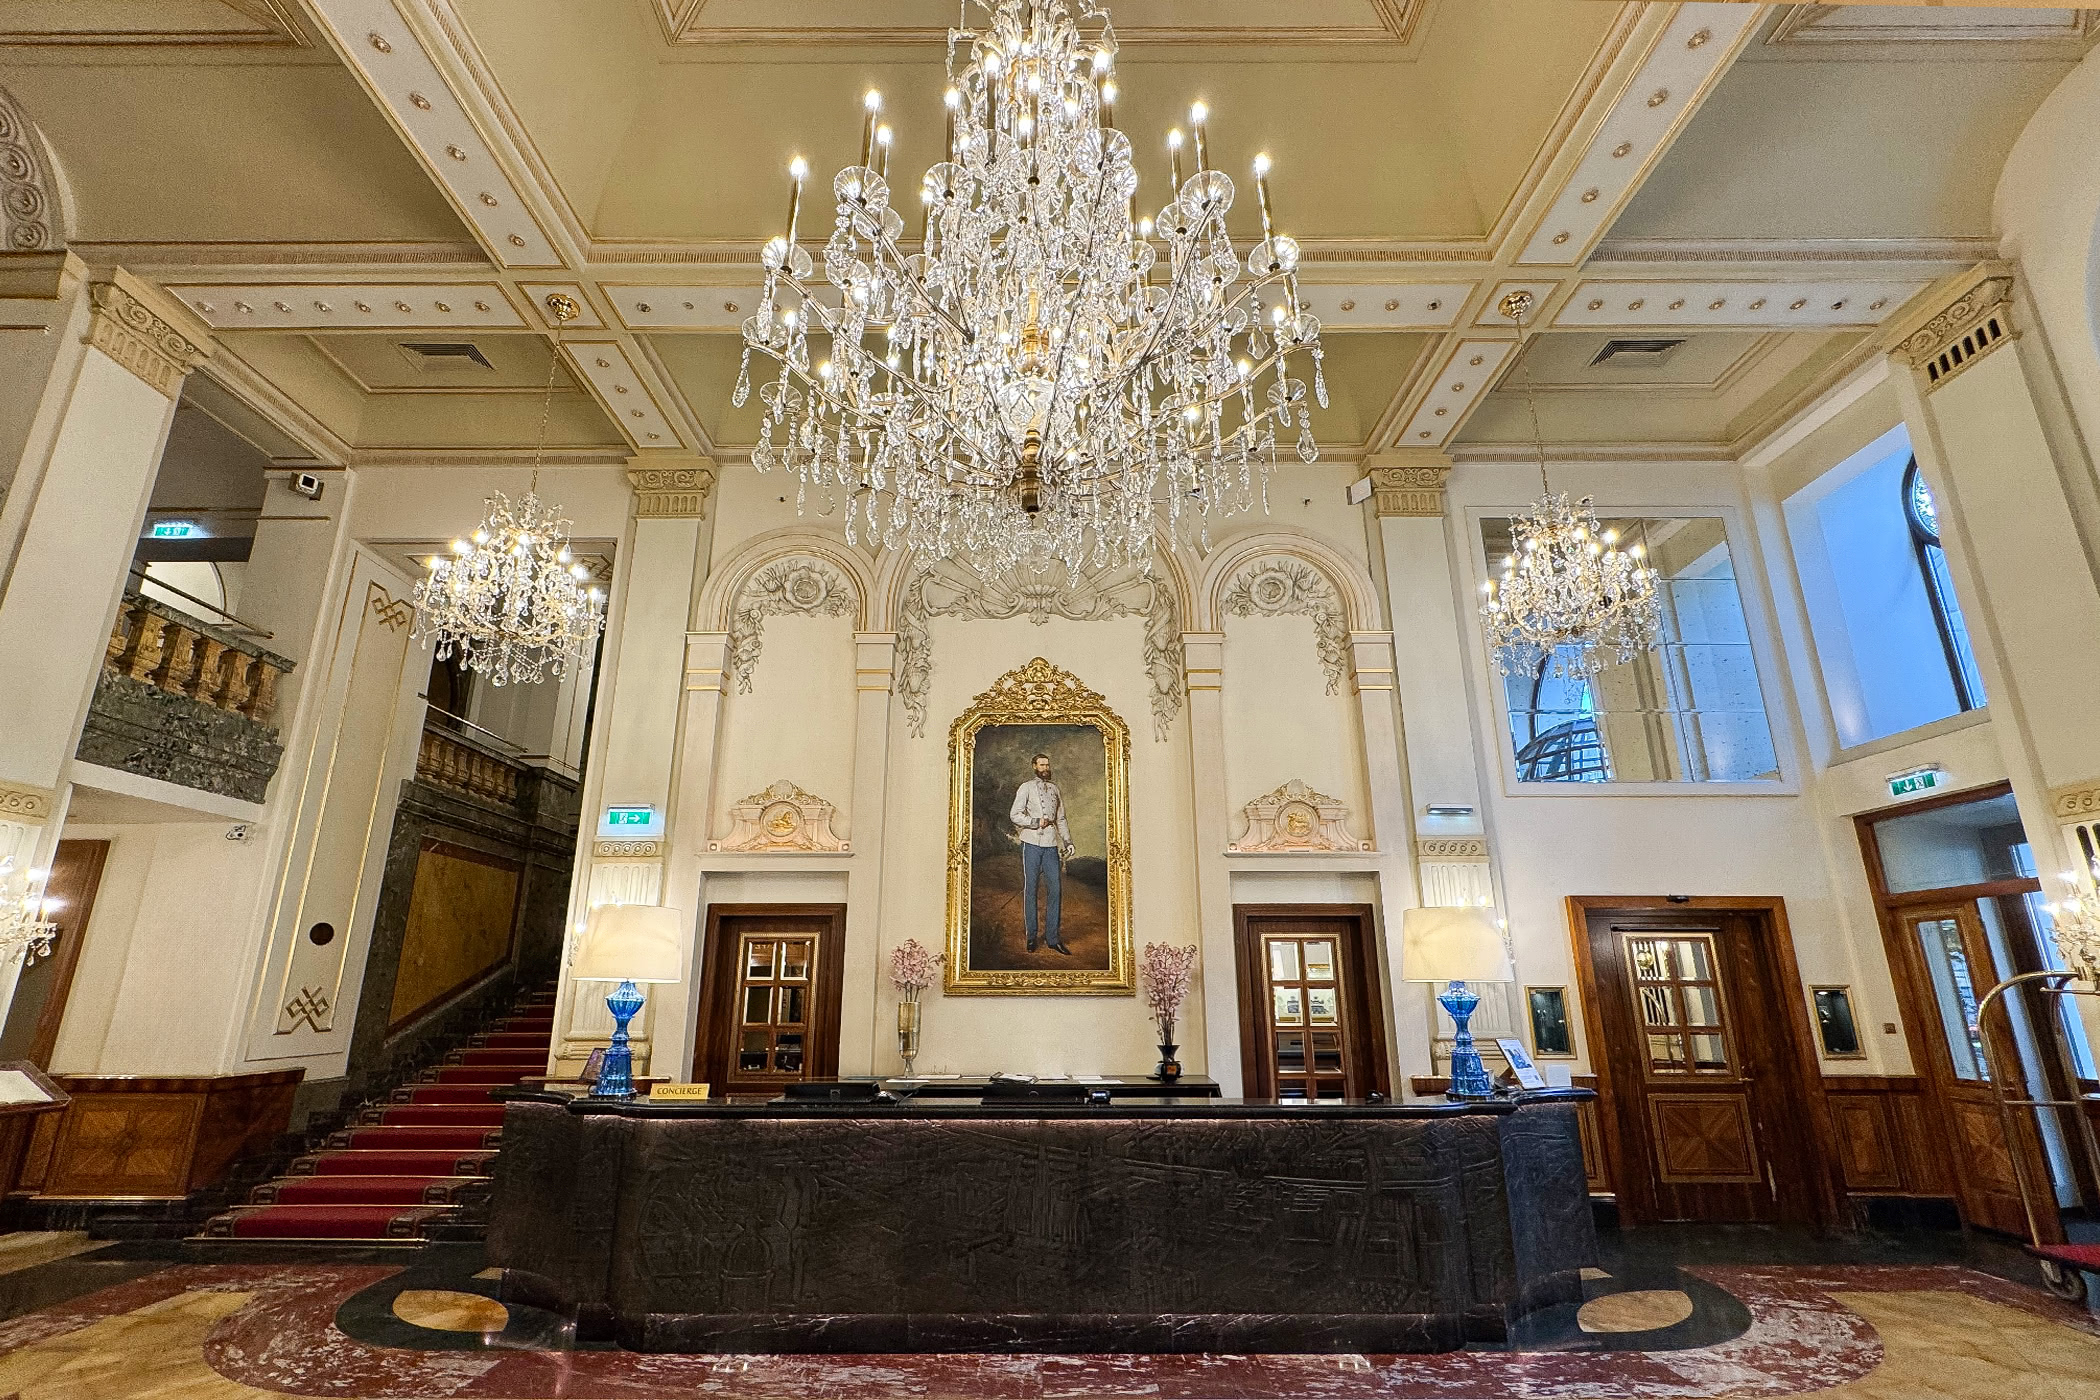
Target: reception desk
x=1168, y=1225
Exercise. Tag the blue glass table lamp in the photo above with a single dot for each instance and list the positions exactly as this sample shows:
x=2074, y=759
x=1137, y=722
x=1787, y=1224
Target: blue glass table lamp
x=1456, y=946
x=627, y=944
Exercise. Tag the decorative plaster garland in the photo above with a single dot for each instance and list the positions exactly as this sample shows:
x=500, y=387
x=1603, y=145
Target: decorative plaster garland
x=785, y=587
x=1285, y=587
x=952, y=589
x=25, y=186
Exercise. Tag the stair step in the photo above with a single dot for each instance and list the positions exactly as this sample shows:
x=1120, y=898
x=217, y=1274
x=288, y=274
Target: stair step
x=480, y=1074
x=503, y=1057
x=444, y=1094
x=394, y=1162
x=445, y=1115
x=362, y=1190
x=414, y=1139
x=325, y=1222
x=520, y=1040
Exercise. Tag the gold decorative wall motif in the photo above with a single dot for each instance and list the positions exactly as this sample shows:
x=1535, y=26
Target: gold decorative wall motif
x=781, y=818
x=993, y=944
x=1296, y=818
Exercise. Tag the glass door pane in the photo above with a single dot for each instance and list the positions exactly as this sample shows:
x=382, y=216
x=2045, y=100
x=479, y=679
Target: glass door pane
x=1954, y=993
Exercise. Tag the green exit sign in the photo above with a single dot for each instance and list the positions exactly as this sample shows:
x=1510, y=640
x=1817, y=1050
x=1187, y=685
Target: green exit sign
x=1917, y=780
x=629, y=816
x=173, y=530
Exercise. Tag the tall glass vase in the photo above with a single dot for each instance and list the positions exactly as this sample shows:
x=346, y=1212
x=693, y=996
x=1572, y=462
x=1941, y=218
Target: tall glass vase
x=908, y=1032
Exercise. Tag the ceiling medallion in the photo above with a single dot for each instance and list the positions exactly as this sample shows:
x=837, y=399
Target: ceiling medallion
x=511, y=599
x=1049, y=376
x=1569, y=602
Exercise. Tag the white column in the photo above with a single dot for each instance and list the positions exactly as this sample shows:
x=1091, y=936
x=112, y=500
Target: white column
x=636, y=750
x=1203, y=674
x=862, y=1043
x=691, y=826
x=1987, y=423
x=89, y=450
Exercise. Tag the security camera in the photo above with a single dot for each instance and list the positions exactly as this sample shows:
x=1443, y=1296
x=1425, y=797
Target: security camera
x=239, y=831
x=307, y=485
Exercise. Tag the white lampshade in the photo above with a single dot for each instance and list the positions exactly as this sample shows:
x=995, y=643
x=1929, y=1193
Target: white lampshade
x=632, y=943
x=1452, y=945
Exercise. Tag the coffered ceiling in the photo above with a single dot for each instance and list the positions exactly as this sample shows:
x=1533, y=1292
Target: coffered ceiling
x=326, y=181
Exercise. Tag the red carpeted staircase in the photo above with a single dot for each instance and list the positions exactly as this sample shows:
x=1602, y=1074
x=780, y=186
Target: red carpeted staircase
x=410, y=1163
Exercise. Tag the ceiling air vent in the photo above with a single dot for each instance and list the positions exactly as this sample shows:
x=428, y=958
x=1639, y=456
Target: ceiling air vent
x=444, y=354
x=1635, y=354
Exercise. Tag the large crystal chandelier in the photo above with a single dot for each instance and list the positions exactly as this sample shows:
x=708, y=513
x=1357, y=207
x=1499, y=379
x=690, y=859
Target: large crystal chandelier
x=1570, y=601
x=2074, y=927
x=511, y=598
x=24, y=931
x=1049, y=375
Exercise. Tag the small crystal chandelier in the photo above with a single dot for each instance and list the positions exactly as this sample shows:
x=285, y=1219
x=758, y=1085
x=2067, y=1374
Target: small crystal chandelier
x=1050, y=376
x=511, y=598
x=1569, y=599
x=24, y=931
x=2075, y=929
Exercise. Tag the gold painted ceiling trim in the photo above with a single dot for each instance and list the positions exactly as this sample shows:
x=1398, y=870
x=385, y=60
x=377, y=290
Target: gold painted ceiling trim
x=680, y=22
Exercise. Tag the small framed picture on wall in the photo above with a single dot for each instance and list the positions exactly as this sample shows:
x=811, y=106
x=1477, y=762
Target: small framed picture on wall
x=1551, y=1036
x=1836, y=1025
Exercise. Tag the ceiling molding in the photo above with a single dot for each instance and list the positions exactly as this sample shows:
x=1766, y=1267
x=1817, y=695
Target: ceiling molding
x=1953, y=252
x=1772, y=304
x=614, y=456
x=1815, y=25
x=271, y=24
x=230, y=372
x=1687, y=59
x=389, y=57
x=1466, y=370
x=350, y=306
x=1644, y=453
x=627, y=392
x=1392, y=23
x=228, y=261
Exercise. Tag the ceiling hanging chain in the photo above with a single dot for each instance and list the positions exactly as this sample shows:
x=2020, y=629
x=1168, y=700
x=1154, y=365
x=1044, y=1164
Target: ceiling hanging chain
x=511, y=599
x=1569, y=601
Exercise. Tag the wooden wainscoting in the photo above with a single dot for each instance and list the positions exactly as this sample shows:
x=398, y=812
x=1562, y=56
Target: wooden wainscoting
x=126, y=1137
x=1596, y=1164
x=1886, y=1143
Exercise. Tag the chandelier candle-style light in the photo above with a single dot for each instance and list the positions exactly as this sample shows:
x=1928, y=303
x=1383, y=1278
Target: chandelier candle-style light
x=2074, y=927
x=1049, y=375
x=25, y=932
x=511, y=598
x=1570, y=600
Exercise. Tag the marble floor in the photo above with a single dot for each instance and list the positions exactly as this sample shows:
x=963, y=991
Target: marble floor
x=1691, y=1315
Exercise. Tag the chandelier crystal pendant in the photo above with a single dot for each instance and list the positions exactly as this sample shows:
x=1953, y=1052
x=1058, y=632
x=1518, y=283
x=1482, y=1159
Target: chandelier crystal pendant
x=1570, y=601
x=1048, y=375
x=511, y=599
x=2075, y=930
x=25, y=933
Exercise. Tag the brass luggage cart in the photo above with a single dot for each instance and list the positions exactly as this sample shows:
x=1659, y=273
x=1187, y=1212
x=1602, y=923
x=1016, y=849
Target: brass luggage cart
x=2063, y=1265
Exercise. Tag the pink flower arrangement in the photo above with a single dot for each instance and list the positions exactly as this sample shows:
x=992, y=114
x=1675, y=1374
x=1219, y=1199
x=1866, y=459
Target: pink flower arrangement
x=913, y=968
x=1164, y=970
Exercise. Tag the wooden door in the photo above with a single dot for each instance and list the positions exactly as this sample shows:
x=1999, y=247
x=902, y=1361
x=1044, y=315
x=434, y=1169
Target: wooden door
x=770, y=996
x=1703, y=1067
x=39, y=1003
x=1311, y=1024
x=1948, y=957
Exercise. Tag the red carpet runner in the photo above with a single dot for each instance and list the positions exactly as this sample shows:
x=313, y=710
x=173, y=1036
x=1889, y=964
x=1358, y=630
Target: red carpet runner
x=403, y=1166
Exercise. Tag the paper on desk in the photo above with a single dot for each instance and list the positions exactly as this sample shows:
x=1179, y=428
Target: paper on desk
x=17, y=1087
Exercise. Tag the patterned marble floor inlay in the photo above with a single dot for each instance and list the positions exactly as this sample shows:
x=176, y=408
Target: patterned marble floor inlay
x=1642, y=1310
x=445, y=1311
x=240, y=1331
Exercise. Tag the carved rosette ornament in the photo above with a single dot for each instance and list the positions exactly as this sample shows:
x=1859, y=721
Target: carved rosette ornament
x=781, y=818
x=19, y=802
x=1295, y=818
x=1286, y=587
x=785, y=587
x=949, y=588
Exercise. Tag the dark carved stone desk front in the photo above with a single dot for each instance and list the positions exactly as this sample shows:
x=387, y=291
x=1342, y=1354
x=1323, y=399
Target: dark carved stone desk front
x=1202, y=1225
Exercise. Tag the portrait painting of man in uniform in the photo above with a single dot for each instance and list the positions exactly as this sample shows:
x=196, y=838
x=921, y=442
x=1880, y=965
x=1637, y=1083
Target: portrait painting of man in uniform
x=1039, y=884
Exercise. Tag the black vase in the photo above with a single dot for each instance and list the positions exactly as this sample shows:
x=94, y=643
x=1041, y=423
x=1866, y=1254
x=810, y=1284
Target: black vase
x=1169, y=1070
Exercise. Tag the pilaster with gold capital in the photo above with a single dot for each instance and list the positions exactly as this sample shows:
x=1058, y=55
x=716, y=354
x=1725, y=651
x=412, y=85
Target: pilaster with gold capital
x=1408, y=483
x=671, y=485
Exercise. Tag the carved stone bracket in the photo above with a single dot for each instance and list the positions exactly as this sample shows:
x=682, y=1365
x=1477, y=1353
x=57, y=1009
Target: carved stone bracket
x=781, y=818
x=1296, y=818
x=952, y=589
x=21, y=802
x=28, y=207
x=1287, y=587
x=1977, y=321
x=134, y=333
x=1409, y=491
x=671, y=493
x=785, y=587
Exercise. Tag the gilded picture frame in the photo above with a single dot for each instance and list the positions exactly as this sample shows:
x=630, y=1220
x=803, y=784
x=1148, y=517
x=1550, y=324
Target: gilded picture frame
x=1039, y=710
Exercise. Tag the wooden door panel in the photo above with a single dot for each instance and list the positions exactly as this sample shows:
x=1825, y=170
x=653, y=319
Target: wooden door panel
x=770, y=997
x=1703, y=1139
x=1866, y=1142
x=1311, y=1024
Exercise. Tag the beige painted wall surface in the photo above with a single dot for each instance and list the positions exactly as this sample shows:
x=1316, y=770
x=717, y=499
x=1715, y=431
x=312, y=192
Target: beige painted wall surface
x=796, y=722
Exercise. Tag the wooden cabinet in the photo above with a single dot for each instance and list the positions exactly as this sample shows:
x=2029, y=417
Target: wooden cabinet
x=139, y=1138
